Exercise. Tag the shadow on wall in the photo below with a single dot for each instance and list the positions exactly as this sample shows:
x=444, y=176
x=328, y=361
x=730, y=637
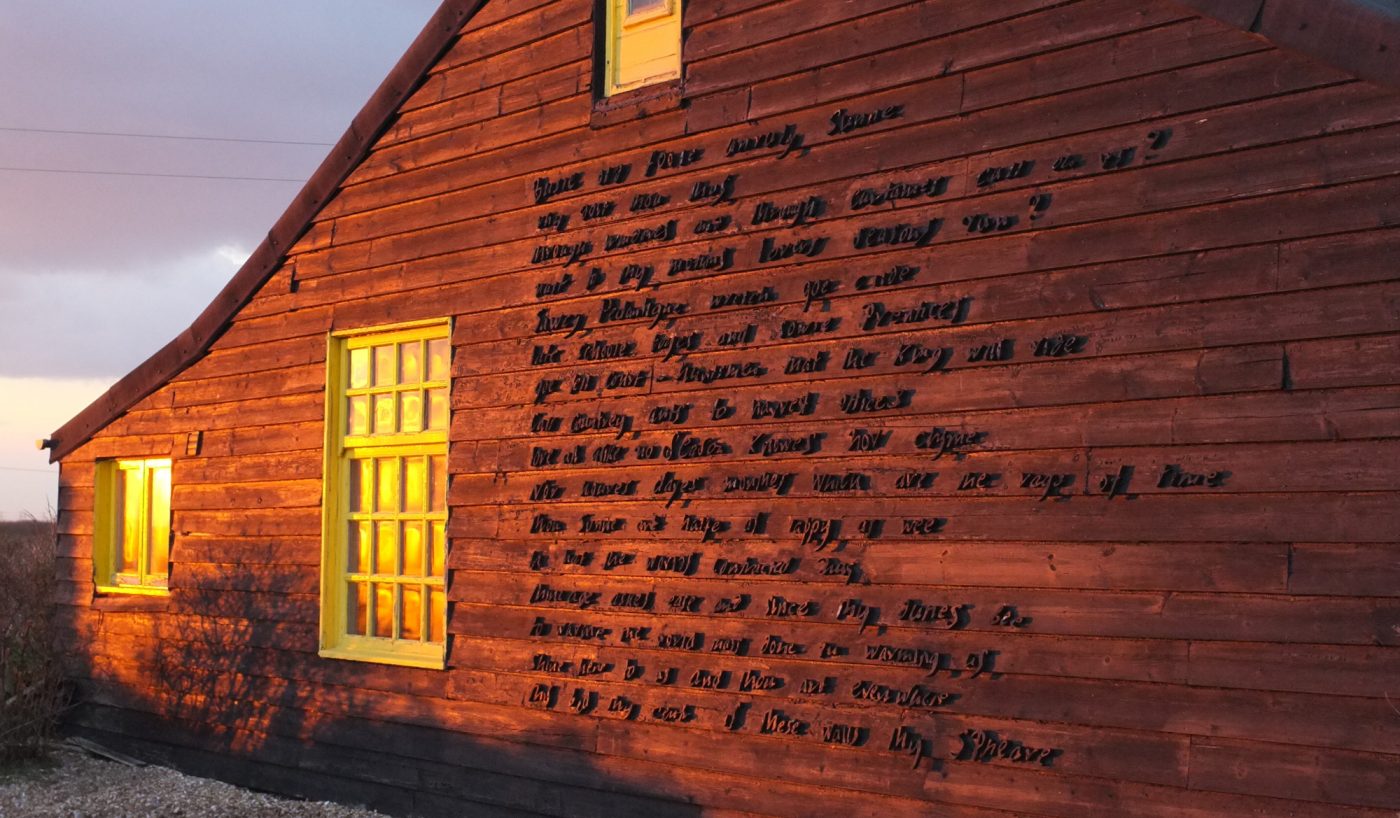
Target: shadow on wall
x=224, y=682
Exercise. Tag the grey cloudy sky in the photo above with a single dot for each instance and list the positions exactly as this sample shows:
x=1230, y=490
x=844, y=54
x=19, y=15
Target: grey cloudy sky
x=98, y=271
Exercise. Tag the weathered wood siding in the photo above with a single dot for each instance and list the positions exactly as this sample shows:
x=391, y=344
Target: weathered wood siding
x=1114, y=378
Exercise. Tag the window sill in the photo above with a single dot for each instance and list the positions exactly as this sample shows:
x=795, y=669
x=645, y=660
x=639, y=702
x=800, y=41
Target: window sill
x=638, y=103
x=433, y=659
x=131, y=599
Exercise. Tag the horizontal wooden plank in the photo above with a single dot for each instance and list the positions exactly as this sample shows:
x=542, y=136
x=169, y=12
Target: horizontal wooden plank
x=294, y=380
x=154, y=627
x=803, y=54
x=1345, y=568
x=1107, y=799
x=1293, y=467
x=301, y=408
x=1335, y=669
x=1224, y=419
x=306, y=464
x=1350, y=361
x=1046, y=382
x=1140, y=615
x=1328, y=776
x=1015, y=653
x=1101, y=566
x=1310, y=517
x=712, y=34
x=280, y=437
x=282, y=494
x=275, y=578
x=304, y=521
x=261, y=551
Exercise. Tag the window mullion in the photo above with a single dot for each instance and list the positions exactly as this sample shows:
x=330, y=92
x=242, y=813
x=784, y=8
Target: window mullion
x=143, y=553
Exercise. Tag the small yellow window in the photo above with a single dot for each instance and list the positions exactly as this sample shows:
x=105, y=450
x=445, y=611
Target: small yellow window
x=131, y=538
x=384, y=566
x=642, y=43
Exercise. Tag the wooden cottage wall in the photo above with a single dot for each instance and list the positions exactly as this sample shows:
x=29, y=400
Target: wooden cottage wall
x=983, y=409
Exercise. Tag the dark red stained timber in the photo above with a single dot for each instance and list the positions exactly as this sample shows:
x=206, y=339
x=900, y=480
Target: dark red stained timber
x=987, y=410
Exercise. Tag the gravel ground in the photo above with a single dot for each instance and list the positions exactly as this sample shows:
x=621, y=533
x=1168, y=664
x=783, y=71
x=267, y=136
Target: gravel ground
x=75, y=785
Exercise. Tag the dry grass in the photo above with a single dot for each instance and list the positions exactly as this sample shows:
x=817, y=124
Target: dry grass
x=31, y=678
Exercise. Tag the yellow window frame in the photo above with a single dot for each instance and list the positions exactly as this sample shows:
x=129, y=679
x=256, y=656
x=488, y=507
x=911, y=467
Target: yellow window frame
x=131, y=526
x=641, y=47
x=351, y=443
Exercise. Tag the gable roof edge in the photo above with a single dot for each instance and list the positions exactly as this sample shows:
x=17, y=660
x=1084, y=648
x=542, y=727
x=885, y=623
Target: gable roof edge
x=352, y=147
x=1360, y=37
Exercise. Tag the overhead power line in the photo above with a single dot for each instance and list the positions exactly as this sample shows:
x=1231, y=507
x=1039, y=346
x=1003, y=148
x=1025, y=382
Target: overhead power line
x=153, y=175
x=169, y=136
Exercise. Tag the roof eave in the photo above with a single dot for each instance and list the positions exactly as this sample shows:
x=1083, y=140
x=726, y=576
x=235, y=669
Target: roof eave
x=1361, y=37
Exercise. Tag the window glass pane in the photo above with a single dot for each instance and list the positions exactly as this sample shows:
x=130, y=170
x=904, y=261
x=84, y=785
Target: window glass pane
x=437, y=409
x=357, y=610
x=158, y=528
x=384, y=414
x=439, y=359
x=439, y=550
x=361, y=546
x=359, y=368
x=383, y=609
x=411, y=614
x=413, y=549
x=133, y=502
x=437, y=488
x=386, y=550
x=385, y=367
x=645, y=6
x=357, y=415
x=361, y=486
x=411, y=411
x=388, y=484
x=411, y=362
x=415, y=483
x=437, y=614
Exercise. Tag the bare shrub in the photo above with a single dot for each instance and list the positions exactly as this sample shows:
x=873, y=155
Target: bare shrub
x=31, y=677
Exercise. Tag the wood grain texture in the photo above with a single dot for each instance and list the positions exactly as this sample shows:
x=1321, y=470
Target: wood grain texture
x=982, y=410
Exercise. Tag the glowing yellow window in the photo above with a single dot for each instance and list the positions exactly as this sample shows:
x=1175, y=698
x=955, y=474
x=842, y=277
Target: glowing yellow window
x=384, y=566
x=642, y=43
x=131, y=537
